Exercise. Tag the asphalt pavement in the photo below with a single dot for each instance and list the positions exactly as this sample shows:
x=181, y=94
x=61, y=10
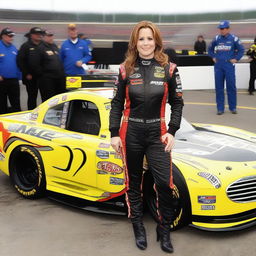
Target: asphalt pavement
x=46, y=228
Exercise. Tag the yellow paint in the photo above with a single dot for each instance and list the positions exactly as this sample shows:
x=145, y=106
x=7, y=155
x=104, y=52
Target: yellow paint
x=76, y=81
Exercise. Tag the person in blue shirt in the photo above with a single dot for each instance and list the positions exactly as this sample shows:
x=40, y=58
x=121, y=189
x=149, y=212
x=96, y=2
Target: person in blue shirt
x=225, y=49
x=9, y=73
x=74, y=53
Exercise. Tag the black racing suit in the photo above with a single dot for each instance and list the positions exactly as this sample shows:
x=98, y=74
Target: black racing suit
x=49, y=70
x=26, y=51
x=145, y=93
x=252, y=53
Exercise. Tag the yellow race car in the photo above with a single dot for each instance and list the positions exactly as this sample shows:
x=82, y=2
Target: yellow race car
x=63, y=146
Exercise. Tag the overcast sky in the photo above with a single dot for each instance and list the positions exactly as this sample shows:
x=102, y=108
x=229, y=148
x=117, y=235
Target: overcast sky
x=131, y=6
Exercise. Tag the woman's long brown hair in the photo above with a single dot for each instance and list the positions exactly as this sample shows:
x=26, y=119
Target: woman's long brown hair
x=132, y=53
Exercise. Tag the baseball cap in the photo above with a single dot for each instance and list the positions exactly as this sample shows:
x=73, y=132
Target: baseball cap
x=49, y=33
x=72, y=26
x=35, y=30
x=224, y=24
x=8, y=32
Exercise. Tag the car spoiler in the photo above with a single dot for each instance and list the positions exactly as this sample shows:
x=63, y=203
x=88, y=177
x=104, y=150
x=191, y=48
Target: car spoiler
x=95, y=78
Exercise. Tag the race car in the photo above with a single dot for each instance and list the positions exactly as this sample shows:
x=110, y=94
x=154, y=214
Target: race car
x=63, y=147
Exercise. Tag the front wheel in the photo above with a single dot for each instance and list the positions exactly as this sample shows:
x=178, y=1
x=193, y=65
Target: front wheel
x=181, y=203
x=27, y=172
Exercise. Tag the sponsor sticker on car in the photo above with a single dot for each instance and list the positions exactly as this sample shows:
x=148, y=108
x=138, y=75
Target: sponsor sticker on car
x=104, y=145
x=73, y=82
x=206, y=199
x=207, y=207
x=109, y=167
x=116, y=181
x=102, y=154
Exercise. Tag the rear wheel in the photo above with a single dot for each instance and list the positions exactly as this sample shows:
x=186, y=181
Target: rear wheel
x=27, y=172
x=181, y=203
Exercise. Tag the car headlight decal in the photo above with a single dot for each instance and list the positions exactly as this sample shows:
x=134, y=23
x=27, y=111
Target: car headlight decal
x=211, y=178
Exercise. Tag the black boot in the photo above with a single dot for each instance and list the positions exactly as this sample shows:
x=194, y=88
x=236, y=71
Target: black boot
x=163, y=234
x=140, y=235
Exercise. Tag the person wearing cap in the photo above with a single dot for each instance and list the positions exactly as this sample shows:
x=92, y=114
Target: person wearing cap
x=25, y=63
x=252, y=58
x=74, y=53
x=225, y=49
x=48, y=68
x=9, y=73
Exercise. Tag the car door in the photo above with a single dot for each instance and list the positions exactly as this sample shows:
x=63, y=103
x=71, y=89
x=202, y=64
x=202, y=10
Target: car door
x=77, y=126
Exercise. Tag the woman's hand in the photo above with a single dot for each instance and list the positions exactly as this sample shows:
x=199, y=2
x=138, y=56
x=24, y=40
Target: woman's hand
x=168, y=139
x=116, y=144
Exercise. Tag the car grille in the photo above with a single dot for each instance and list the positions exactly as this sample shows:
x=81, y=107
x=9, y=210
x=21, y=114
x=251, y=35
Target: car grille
x=243, y=190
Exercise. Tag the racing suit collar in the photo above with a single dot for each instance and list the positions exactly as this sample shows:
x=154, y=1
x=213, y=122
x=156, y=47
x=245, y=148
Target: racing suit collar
x=145, y=62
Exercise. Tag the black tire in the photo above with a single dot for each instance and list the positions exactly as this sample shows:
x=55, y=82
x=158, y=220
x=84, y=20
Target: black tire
x=27, y=172
x=181, y=204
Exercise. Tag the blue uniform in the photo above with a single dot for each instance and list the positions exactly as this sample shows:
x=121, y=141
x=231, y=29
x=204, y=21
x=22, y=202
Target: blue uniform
x=8, y=66
x=9, y=84
x=71, y=53
x=225, y=48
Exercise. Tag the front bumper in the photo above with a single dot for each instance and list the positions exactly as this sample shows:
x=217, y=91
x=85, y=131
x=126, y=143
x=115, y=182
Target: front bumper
x=226, y=222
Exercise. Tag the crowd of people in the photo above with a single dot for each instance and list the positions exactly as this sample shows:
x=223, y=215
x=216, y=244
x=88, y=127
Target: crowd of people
x=40, y=64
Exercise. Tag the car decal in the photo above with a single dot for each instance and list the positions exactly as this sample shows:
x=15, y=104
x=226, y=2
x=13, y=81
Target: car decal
x=71, y=160
x=5, y=135
x=109, y=167
x=83, y=162
x=206, y=199
x=208, y=207
x=216, y=146
x=104, y=145
x=102, y=154
x=45, y=148
x=13, y=139
x=2, y=157
x=116, y=181
x=39, y=133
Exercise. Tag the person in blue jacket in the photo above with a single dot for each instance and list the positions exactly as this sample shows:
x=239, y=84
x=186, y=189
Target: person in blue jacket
x=225, y=49
x=74, y=53
x=9, y=73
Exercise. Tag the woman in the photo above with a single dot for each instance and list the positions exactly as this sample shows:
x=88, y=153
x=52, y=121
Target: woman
x=146, y=80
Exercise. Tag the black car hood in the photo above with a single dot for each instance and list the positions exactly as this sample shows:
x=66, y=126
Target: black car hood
x=215, y=146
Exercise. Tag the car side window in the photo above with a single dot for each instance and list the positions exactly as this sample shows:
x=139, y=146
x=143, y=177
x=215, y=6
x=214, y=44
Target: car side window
x=83, y=117
x=54, y=115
